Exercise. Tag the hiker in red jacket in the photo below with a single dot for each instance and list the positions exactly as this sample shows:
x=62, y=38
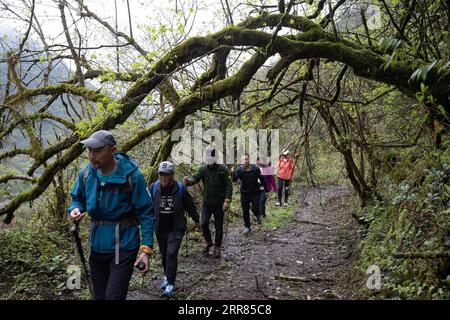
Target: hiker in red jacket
x=285, y=168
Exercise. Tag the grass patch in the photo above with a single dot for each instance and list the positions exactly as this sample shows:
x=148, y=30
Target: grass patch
x=277, y=217
x=34, y=261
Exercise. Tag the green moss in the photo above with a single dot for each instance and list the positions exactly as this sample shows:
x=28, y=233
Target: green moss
x=26, y=94
x=413, y=218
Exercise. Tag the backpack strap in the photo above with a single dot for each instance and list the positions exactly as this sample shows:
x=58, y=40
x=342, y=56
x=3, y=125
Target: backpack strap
x=153, y=189
x=129, y=187
x=85, y=175
x=180, y=187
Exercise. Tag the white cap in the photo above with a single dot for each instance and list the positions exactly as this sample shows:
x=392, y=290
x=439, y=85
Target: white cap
x=286, y=152
x=210, y=156
x=166, y=167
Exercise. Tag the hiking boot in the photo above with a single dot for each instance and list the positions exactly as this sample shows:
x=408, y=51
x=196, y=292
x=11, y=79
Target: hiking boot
x=168, y=291
x=216, y=252
x=164, y=284
x=247, y=230
x=206, y=248
x=285, y=204
x=277, y=204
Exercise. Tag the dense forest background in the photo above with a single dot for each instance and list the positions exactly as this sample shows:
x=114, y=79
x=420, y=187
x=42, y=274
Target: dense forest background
x=359, y=91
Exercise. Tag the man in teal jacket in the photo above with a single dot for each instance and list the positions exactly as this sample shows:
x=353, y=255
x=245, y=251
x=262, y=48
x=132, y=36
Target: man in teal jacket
x=113, y=191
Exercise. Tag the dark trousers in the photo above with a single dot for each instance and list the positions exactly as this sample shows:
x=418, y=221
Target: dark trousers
x=169, y=242
x=248, y=199
x=262, y=203
x=283, y=184
x=207, y=212
x=110, y=281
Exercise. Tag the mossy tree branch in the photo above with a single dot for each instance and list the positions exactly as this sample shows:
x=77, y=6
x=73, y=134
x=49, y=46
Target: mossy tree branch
x=312, y=42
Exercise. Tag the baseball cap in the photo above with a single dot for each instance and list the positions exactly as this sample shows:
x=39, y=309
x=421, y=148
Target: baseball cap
x=100, y=139
x=166, y=167
x=286, y=152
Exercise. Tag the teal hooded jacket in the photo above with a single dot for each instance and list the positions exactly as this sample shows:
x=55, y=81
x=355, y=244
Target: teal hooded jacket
x=113, y=201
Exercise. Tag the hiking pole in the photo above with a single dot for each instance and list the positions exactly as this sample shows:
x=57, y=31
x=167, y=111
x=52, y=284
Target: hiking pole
x=226, y=225
x=186, y=240
x=187, y=233
x=228, y=213
x=74, y=230
x=141, y=266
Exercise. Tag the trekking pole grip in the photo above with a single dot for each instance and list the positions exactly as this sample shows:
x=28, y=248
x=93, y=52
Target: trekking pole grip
x=74, y=227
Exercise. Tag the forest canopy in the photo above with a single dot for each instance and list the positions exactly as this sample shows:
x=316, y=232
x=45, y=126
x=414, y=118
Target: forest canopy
x=311, y=52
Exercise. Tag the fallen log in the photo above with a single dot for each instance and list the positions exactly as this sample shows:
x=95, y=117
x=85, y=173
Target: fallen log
x=421, y=255
x=312, y=222
x=300, y=279
x=279, y=240
x=281, y=263
x=319, y=243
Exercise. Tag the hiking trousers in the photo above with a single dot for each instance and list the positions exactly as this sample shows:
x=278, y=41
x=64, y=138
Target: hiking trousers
x=207, y=212
x=262, y=203
x=110, y=281
x=248, y=199
x=283, y=184
x=169, y=242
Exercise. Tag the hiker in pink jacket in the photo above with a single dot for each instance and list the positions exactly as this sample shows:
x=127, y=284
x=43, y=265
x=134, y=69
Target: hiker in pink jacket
x=268, y=175
x=285, y=168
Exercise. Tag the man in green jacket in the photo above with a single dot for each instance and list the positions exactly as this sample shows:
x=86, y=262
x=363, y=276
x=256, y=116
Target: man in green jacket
x=217, y=192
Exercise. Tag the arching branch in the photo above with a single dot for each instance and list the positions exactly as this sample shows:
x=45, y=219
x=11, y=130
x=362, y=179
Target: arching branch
x=311, y=43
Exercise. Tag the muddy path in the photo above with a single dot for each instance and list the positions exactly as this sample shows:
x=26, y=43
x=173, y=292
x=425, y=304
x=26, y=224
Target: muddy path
x=303, y=251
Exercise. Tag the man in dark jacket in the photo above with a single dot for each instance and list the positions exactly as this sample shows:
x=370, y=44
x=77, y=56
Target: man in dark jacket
x=217, y=192
x=170, y=201
x=251, y=180
x=112, y=190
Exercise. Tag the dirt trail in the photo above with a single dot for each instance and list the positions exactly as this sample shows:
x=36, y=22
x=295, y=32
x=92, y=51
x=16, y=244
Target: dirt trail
x=314, y=248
